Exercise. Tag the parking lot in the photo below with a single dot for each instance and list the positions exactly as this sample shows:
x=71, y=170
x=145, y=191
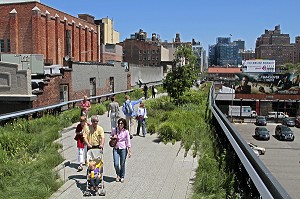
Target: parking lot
x=281, y=158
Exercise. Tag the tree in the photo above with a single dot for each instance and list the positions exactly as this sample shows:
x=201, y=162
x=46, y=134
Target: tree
x=183, y=75
x=293, y=68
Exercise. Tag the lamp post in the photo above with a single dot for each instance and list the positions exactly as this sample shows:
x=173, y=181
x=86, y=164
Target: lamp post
x=241, y=109
x=277, y=111
x=296, y=107
x=232, y=90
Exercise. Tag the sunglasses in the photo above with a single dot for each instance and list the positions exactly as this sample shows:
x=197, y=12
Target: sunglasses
x=120, y=123
x=95, y=121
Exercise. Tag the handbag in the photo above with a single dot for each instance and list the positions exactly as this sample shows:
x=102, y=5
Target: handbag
x=117, y=114
x=139, y=117
x=113, y=142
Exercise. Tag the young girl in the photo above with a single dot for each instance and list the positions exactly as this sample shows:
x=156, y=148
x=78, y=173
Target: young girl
x=81, y=146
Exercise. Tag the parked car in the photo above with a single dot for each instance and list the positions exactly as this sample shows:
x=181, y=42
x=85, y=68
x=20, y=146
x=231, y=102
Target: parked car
x=260, y=150
x=261, y=121
x=273, y=115
x=262, y=133
x=289, y=121
x=297, y=121
x=284, y=133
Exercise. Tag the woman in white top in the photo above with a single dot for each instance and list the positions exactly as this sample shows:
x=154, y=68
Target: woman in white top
x=113, y=109
x=141, y=118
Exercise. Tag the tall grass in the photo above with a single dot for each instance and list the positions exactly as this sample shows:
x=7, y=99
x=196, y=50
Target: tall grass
x=190, y=123
x=28, y=154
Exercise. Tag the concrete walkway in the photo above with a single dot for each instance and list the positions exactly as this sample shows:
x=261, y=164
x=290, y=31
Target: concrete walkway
x=155, y=170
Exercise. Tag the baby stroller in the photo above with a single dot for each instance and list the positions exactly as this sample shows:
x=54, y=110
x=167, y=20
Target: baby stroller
x=97, y=156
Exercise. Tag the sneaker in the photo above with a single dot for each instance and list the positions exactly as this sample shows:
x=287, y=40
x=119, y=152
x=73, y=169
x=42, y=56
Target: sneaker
x=122, y=180
x=131, y=136
x=117, y=179
x=79, y=168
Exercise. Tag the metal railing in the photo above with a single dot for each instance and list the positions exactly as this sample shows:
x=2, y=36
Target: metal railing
x=55, y=107
x=266, y=184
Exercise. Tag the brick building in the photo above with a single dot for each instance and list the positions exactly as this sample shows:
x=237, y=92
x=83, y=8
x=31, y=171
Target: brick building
x=141, y=51
x=35, y=28
x=275, y=45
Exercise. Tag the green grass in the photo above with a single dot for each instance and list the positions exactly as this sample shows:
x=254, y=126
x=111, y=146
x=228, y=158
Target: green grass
x=190, y=123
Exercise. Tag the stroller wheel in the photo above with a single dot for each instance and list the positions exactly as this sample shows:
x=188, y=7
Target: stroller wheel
x=87, y=193
x=102, y=192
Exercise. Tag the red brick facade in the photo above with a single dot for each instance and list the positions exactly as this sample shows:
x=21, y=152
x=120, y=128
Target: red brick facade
x=34, y=28
x=52, y=90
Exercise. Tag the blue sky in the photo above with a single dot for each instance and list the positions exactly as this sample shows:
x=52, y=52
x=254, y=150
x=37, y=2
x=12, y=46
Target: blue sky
x=202, y=20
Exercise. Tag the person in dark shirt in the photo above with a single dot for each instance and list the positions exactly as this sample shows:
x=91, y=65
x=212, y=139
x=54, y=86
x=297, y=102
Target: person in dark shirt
x=146, y=91
x=244, y=88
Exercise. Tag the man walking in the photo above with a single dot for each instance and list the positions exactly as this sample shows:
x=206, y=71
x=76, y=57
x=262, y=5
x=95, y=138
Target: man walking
x=128, y=110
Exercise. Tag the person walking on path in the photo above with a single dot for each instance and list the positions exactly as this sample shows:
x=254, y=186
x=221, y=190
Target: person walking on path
x=153, y=91
x=81, y=146
x=146, y=91
x=94, y=134
x=85, y=107
x=113, y=111
x=141, y=118
x=122, y=148
x=128, y=110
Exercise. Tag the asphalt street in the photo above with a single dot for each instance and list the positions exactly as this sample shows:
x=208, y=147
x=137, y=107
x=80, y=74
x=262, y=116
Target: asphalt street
x=281, y=158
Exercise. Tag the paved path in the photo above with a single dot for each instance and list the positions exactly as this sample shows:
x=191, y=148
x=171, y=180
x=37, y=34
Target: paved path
x=155, y=170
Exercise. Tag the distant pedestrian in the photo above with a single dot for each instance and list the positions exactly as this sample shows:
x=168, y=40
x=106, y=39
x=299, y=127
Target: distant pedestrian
x=153, y=89
x=113, y=110
x=85, y=107
x=146, y=91
x=141, y=118
x=122, y=148
x=128, y=110
x=81, y=146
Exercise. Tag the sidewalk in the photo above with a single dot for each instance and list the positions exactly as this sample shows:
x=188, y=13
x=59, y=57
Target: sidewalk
x=155, y=170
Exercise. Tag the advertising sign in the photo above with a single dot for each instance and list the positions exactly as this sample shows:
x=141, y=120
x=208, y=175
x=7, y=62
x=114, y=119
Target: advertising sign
x=258, y=66
x=255, y=83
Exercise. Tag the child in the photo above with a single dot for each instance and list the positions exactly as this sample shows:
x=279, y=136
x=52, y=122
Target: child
x=80, y=143
x=141, y=118
x=94, y=176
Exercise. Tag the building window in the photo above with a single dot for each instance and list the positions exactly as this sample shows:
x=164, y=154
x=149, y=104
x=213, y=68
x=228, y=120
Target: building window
x=141, y=52
x=111, y=84
x=1, y=45
x=8, y=45
x=68, y=42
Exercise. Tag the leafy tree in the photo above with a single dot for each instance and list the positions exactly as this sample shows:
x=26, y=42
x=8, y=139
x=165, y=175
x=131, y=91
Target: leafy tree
x=183, y=75
x=294, y=68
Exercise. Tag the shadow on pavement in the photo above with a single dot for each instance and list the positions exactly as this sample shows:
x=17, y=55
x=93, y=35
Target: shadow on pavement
x=109, y=179
x=156, y=140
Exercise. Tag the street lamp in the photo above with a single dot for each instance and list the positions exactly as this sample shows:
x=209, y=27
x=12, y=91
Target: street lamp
x=232, y=91
x=277, y=110
x=241, y=109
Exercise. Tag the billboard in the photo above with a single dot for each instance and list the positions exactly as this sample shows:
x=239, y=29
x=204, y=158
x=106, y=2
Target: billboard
x=268, y=83
x=258, y=66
